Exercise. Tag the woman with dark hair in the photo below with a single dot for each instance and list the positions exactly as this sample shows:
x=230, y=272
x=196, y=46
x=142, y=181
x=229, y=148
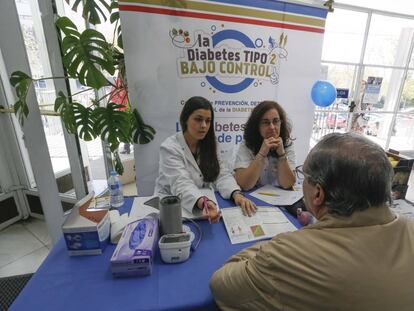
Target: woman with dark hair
x=267, y=155
x=189, y=164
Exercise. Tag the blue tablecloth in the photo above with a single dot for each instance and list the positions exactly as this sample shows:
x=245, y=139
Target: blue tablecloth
x=79, y=283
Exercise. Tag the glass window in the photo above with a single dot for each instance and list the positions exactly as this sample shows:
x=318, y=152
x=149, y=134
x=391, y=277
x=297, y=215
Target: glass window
x=344, y=34
x=407, y=96
x=29, y=16
x=335, y=117
x=341, y=76
x=397, y=6
x=92, y=152
x=380, y=87
x=374, y=125
x=326, y=122
x=402, y=138
x=64, y=9
x=108, y=30
x=389, y=41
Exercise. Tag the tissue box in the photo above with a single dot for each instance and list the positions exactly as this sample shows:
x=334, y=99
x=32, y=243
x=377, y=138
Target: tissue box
x=136, y=248
x=86, y=232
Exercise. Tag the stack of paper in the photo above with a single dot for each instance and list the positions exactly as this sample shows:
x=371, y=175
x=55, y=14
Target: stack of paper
x=277, y=196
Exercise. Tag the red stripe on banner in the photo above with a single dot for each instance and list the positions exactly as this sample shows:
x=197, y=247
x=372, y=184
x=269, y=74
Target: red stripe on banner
x=217, y=17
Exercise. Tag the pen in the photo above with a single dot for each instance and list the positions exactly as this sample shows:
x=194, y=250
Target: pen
x=205, y=208
x=269, y=194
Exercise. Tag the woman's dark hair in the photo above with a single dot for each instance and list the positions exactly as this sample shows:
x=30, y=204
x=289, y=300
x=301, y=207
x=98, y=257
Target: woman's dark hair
x=252, y=135
x=207, y=147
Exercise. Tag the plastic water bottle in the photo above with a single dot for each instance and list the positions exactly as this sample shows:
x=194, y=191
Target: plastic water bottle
x=115, y=190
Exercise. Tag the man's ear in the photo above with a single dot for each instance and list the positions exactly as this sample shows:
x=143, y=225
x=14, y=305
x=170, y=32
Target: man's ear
x=319, y=201
x=319, y=196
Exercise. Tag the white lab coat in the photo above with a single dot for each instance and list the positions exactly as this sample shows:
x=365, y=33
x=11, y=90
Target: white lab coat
x=179, y=174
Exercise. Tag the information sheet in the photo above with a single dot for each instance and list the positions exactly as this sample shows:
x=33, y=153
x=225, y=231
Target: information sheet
x=266, y=223
x=277, y=196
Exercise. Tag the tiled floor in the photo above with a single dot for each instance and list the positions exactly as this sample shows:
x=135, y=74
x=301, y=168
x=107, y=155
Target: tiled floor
x=24, y=245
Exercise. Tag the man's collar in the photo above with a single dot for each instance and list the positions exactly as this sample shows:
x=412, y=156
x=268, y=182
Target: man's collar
x=370, y=217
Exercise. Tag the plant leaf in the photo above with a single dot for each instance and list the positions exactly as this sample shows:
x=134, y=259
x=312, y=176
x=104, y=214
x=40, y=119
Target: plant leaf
x=119, y=60
x=65, y=108
x=112, y=125
x=92, y=10
x=114, y=18
x=119, y=38
x=59, y=101
x=17, y=77
x=21, y=110
x=85, y=121
x=68, y=117
x=84, y=57
x=67, y=27
x=141, y=133
x=114, y=12
x=21, y=82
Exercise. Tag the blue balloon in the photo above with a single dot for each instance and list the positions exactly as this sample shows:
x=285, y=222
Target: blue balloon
x=323, y=93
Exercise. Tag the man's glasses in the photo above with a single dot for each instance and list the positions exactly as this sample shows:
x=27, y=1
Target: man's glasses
x=266, y=123
x=300, y=174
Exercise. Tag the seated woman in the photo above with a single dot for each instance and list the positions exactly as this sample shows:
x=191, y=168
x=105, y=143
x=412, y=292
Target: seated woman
x=189, y=163
x=267, y=155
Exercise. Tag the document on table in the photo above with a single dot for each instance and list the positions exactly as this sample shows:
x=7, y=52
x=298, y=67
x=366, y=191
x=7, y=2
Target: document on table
x=266, y=223
x=278, y=196
x=140, y=210
x=403, y=208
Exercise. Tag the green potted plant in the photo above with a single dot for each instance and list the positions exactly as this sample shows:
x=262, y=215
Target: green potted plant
x=88, y=57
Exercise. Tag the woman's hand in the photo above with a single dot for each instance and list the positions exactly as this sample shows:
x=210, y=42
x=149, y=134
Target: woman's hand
x=247, y=206
x=305, y=218
x=280, y=149
x=212, y=212
x=272, y=143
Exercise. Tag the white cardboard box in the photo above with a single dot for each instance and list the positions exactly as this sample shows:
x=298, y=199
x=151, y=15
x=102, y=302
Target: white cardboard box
x=86, y=232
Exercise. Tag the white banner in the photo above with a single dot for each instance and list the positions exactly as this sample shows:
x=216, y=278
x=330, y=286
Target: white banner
x=234, y=55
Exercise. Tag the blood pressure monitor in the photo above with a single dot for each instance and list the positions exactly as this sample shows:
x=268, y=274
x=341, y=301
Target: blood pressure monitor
x=175, y=248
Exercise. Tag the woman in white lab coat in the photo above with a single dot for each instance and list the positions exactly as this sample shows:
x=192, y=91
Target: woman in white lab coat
x=189, y=164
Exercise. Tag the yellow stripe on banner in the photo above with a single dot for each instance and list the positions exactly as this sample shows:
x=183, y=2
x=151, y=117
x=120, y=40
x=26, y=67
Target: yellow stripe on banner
x=232, y=10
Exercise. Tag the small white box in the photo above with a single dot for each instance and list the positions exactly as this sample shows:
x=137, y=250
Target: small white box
x=86, y=232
